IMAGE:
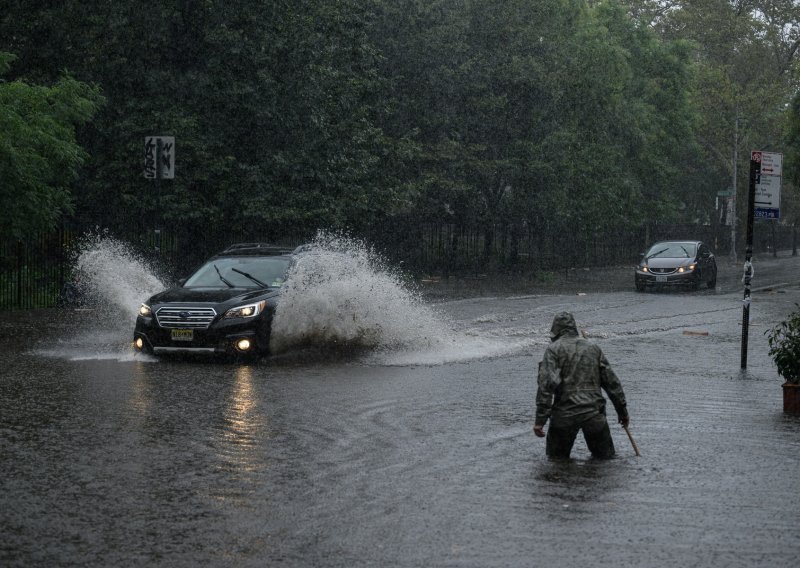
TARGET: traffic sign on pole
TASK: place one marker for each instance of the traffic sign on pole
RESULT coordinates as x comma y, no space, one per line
755,170
159,157
768,185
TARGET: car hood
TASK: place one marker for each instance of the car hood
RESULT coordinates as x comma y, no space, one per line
668,262
212,295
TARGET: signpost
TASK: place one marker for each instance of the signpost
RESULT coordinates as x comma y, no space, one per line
159,163
755,170
764,196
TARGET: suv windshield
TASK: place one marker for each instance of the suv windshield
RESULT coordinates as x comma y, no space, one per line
671,250
241,272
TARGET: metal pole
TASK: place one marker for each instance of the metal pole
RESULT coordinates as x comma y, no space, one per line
159,213
755,171
774,239
733,186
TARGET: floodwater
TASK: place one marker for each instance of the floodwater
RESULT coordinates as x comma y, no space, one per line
409,448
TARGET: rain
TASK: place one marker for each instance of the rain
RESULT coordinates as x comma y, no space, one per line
436,182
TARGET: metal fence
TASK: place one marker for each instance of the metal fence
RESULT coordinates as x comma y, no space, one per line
34,271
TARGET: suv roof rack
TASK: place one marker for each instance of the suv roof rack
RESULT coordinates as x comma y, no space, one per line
256,248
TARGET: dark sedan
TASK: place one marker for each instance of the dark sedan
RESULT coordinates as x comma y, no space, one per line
677,263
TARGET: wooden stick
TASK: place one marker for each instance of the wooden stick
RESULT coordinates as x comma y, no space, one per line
635,447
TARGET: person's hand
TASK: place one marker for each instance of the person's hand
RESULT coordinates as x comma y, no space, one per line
538,429
625,420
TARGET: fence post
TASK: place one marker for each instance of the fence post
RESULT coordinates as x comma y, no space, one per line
774,240
20,295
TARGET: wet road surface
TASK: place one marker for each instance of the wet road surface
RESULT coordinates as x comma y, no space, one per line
331,458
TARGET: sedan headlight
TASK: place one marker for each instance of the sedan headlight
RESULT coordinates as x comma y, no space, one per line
145,311
644,268
248,311
688,268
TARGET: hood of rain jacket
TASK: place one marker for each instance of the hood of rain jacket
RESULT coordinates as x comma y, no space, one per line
563,323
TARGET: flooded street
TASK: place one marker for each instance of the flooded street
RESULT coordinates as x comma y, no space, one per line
421,456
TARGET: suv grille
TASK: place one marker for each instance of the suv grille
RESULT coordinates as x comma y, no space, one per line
186,318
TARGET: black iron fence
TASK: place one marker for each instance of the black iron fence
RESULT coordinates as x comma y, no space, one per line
34,271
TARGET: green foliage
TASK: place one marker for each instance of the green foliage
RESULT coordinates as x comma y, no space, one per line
784,347
744,56
39,155
793,142
296,115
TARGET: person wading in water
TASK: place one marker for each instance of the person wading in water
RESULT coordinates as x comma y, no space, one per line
572,376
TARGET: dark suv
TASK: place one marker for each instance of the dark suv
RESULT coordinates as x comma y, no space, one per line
224,307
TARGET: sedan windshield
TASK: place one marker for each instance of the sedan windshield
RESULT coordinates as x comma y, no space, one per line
241,272
672,250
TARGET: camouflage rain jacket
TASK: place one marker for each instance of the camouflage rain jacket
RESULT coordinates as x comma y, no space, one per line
571,376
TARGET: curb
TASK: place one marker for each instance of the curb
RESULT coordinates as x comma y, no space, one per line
770,287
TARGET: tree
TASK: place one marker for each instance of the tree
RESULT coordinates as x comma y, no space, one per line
39,155
273,106
745,53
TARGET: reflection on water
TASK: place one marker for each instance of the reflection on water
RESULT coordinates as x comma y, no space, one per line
238,439
242,422
209,418
140,396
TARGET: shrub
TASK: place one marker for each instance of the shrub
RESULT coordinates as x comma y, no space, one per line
784,347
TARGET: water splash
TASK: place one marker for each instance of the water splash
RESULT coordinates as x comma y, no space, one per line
112,281
114,278
341,293
340,297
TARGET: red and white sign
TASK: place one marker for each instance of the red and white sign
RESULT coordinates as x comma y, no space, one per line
767,184
771,163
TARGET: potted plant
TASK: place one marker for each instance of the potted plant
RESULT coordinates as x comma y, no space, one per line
784,348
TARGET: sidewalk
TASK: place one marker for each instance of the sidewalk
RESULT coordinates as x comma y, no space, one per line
769,271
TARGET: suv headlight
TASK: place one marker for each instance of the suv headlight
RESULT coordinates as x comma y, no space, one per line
145,311
248,311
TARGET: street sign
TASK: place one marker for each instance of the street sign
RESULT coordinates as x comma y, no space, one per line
768,184
768,191
771,164
165,163
763,201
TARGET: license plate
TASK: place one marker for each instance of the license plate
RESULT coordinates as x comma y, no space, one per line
182,334
661,278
